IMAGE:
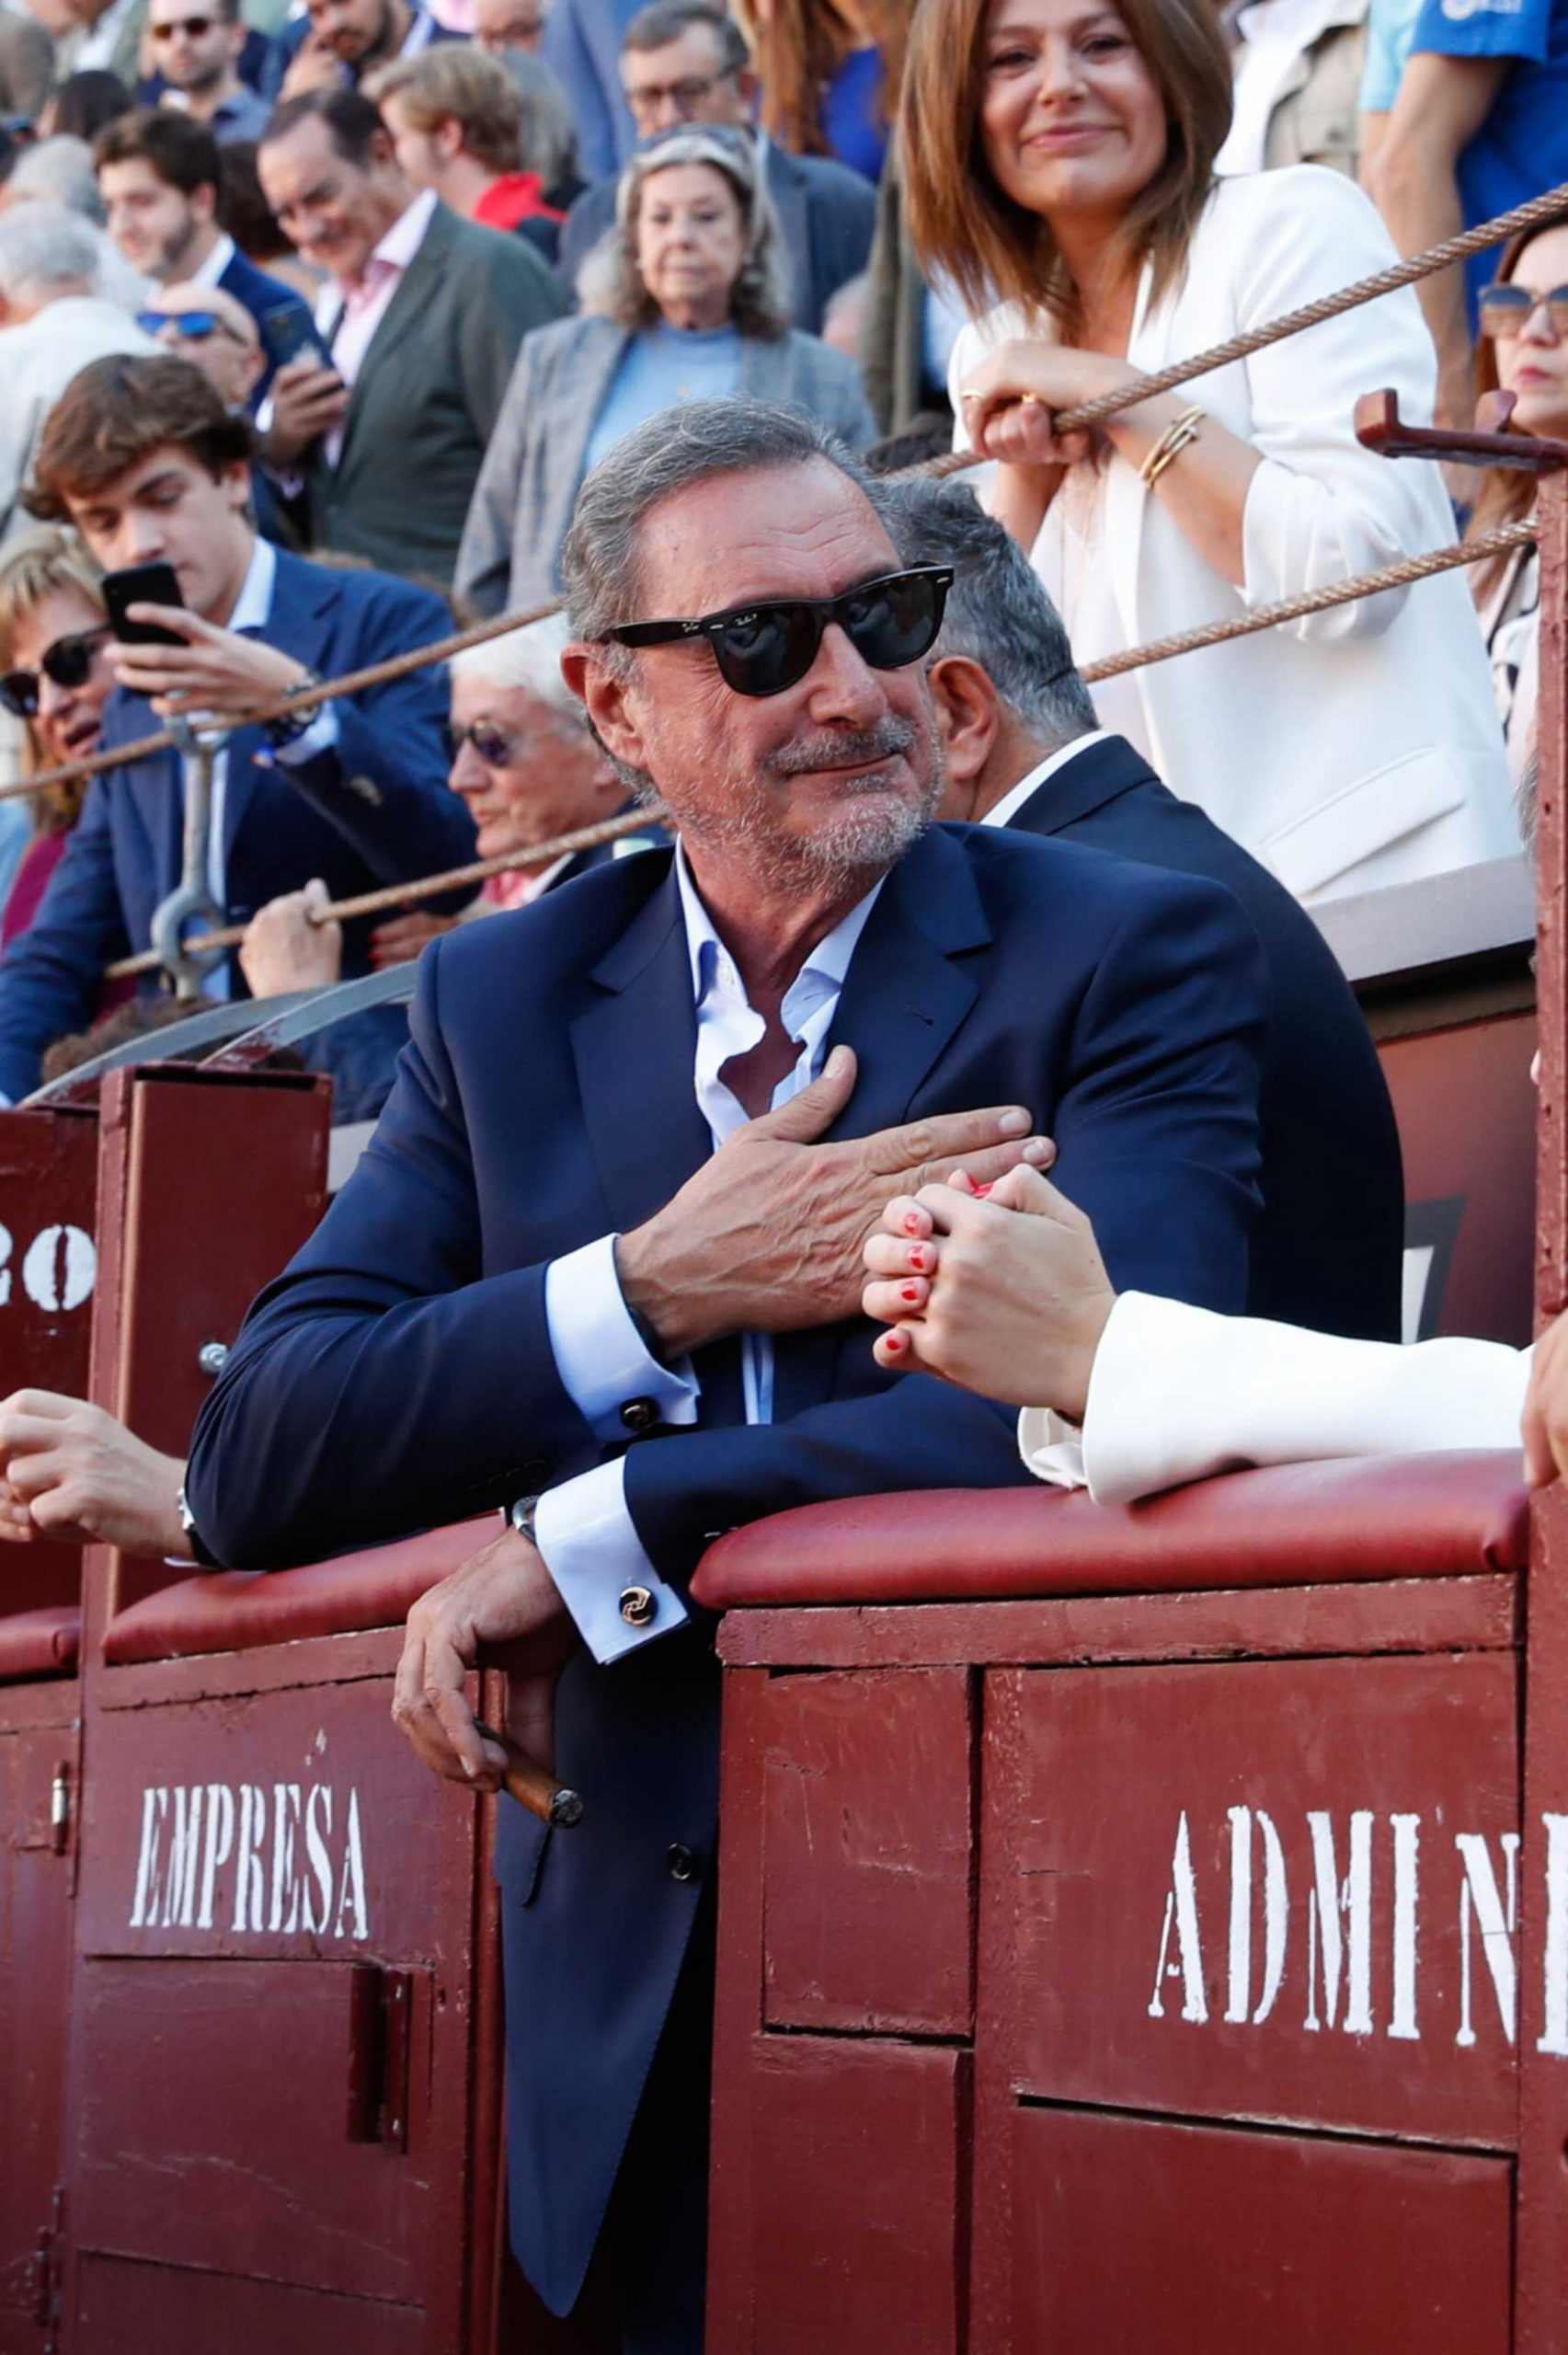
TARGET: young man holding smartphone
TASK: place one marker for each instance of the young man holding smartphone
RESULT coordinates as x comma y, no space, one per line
142,456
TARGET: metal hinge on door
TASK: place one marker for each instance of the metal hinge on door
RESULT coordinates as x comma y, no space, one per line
381,2008
46,2273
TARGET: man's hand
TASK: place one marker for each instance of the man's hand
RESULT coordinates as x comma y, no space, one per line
504,1602
1010,1306
399,940
1545,1428
314,66
74,1473
214,674
283,950
768,1233
307,401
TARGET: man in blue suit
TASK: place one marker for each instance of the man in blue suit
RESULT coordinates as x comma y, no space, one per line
142,457
334,44
644,1227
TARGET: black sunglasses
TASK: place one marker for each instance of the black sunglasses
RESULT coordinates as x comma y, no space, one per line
1505,308
761,650
68,662
196,27
495,747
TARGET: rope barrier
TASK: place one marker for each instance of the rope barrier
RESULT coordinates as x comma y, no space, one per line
1486,233
1501,542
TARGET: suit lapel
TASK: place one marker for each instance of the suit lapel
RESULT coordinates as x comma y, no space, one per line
787,188
1099,774
301,595
410,298
636,1053
906,995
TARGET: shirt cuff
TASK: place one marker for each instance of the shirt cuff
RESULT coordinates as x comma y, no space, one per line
599,1355
1052,1448
321,735
591,1547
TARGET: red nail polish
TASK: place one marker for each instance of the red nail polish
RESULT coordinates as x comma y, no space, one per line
897,1340
909,1292
980,1193
917,1260
911,1222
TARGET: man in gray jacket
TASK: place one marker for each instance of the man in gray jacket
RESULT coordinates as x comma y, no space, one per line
419,323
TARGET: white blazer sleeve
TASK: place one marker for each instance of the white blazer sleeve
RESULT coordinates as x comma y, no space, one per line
1179,1393
1320,508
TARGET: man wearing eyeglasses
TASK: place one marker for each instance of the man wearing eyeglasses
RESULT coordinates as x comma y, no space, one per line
196,47
601,1264
683,62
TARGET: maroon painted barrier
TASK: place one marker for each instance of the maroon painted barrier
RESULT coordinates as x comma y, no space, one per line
1120,1924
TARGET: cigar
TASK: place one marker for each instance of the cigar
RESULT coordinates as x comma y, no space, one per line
532,1785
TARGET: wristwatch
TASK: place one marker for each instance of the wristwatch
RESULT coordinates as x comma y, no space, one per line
522,1515
291,725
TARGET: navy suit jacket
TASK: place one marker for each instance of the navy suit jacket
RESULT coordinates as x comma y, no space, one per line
546,1098
271,304
375,810
1328,1250
826,214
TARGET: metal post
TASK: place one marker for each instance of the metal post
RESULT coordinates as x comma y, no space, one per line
191,901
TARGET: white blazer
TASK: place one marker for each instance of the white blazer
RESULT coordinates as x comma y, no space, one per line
1178,1393
1359,747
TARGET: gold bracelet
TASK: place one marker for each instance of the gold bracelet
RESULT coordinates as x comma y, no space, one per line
1171,444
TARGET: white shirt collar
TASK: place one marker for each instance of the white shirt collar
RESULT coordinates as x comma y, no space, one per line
1014,800
406,234
253,606
829,961
207,273
419,35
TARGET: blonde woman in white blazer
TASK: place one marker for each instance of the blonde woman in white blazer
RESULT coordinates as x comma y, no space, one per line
1353,750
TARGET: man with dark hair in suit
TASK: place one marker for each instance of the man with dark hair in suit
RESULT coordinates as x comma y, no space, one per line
685,61
598,1209
158,176
333,44
422,314
1024,750
142,457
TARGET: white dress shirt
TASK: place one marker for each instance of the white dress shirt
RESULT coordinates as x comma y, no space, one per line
1274,33
208,272
1179,1393
347,317
1013,801
584,1531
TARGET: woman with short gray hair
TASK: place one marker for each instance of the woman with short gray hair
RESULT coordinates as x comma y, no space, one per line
684,299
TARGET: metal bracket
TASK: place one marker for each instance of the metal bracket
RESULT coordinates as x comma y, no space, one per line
191,903
1380,427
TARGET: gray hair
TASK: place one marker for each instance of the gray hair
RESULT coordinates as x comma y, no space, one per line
610,281
998,614
61,171
529,659
694,443
547,134
44,249
666,21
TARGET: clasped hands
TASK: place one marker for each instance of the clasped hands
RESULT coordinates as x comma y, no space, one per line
767,1234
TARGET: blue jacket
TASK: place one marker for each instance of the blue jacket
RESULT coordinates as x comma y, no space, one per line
290,38
272,306
1328,1250
399,1374
582,48
375,810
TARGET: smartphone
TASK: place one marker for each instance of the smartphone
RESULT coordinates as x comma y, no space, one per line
142,584
289,334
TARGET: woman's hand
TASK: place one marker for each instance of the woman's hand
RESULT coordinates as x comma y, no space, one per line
213,675
1010,398
73,1472
1013,1306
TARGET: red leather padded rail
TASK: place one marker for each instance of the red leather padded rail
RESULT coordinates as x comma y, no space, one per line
1298,1524
40,1643
231,1611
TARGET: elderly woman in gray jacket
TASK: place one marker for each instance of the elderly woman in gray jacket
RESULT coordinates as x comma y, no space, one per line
685,298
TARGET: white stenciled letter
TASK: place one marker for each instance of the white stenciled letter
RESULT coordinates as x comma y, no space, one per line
318,1805
351,1892
179,1894
59,1269
1406,1829
1553,2036
285,1861
1496,1922
144,1906
219,1841
1339,1924
1181,1912
1275,1914
251,1884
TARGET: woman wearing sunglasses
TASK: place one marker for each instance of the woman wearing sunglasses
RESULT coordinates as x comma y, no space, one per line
684,299
1058,155
1523,350
56,679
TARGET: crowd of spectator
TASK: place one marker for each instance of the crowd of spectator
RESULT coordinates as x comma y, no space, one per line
435,261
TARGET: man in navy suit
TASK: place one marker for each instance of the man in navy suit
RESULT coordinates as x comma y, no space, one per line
158,174
1024,750
335,44
619,1195
142,457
